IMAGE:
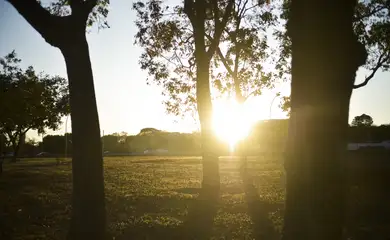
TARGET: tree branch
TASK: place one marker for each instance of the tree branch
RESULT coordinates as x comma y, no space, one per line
82,9
37,16
369,14
189,11
382,59
219,27
222,57
88,6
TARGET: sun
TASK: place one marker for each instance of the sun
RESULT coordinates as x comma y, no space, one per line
232,122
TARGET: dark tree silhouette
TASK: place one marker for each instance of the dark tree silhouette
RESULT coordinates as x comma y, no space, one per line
29,101
371,21
363,120
325,57
63,24
182,31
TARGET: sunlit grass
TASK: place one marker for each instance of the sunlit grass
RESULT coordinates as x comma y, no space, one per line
154,198
147,198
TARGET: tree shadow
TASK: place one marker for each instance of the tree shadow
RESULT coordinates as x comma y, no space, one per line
367,197
258,210
198,223
25,210
200,218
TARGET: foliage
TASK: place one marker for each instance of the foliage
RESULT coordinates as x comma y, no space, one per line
166,35
97,15
285,104
372,26
29,100
266,136
4,143
363,120
245,51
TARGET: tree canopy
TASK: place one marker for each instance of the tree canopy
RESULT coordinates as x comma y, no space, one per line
29,100
238,67
363,120
372,26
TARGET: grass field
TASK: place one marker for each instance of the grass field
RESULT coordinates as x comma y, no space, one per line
157,198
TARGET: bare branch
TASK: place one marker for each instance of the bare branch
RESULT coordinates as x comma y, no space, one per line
382,59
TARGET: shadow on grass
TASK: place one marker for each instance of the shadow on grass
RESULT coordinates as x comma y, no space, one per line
258,210
27,206
368,197
198,223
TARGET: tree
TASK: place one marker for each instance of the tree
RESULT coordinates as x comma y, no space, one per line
3,143
371,22
326,54
183,34
363,120
63,24
29,101
245,51
237,68
285,104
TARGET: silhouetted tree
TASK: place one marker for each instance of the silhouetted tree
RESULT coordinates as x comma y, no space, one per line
182,31
29,148
326,54
244,51
3,143
29,101
371,22
54,144
62,24
363,120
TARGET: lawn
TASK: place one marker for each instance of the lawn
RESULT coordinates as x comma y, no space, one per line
158,198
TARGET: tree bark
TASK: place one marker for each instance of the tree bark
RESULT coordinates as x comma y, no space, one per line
68,34
325,58
211,178
16,151
16,141
88,205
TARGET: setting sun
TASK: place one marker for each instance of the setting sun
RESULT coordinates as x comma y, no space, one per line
232,122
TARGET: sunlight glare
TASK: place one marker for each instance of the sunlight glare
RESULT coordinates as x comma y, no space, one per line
232,121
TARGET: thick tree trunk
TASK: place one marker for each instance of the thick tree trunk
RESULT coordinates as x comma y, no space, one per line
325,57
68,34
88,205
211,178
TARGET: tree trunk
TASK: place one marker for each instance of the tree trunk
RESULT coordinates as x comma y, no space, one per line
211,179
325,57
16,146
88,205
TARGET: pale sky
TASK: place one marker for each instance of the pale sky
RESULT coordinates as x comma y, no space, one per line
125,102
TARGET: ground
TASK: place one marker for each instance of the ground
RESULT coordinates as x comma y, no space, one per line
158,198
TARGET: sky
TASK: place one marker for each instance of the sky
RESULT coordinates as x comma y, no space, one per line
125,102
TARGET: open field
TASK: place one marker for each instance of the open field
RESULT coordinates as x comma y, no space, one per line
157,198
